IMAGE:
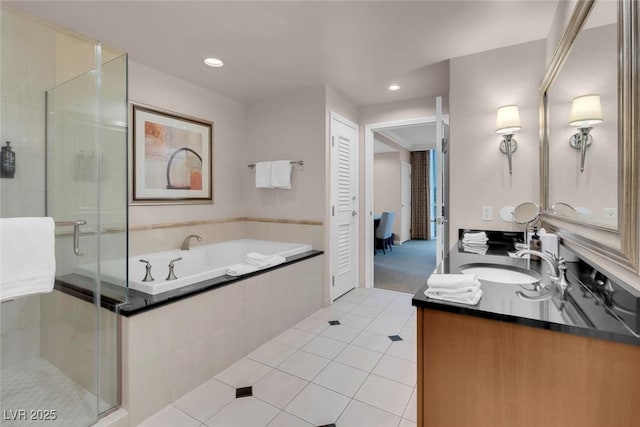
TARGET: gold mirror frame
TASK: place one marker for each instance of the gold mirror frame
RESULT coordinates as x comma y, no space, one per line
616,251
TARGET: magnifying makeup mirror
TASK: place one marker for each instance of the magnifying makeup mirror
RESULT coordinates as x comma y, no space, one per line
526,213
565,210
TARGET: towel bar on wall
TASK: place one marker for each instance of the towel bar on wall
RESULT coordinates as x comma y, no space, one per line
297,162
76,233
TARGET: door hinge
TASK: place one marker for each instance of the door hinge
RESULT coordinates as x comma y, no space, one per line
333,280
333,141
333,210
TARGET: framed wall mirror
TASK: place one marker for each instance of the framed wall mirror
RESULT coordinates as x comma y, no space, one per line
589,136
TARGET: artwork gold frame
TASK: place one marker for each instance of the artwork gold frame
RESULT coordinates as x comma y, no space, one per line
172,157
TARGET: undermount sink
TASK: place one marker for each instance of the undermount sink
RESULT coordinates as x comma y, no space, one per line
501,273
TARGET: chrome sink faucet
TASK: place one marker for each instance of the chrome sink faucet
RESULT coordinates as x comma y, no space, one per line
187,240
557,268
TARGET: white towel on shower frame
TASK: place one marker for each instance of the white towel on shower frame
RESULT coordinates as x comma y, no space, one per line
27,256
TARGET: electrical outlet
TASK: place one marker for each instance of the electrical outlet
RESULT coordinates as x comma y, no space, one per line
610,213
487,213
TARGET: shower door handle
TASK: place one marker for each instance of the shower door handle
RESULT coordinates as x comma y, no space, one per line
76,233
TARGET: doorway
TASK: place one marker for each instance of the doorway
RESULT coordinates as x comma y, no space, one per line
406,265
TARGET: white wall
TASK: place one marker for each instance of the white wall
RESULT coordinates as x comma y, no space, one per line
479,173
290,126
157,89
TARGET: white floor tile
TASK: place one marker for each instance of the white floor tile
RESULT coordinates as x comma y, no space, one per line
360,414
341,378
170,416
359,358
206,400
406,423
325,347
341,333
244,412
272,353
407,350
376,302
363,291
366,311
304,365
287,420
411,413
294,338
372,341
329,313
409,332
384,394
343,305
279,388
384,327
243,373
396,369
393,317
318,405
355,320
312,325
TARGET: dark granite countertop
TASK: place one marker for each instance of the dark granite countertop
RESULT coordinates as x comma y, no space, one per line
587,310
113,297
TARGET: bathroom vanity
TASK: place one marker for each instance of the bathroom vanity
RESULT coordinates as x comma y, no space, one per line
511,361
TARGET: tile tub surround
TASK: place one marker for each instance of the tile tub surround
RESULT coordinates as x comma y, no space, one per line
173,348
305,377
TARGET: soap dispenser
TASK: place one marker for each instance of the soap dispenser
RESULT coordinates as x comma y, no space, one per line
535,244
7,162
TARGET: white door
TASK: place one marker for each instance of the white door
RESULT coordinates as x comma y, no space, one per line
442,183
406,202
344,206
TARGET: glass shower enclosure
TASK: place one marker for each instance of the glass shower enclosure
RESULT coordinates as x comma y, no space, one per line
60,350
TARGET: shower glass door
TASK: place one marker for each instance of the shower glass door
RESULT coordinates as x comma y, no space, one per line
86,194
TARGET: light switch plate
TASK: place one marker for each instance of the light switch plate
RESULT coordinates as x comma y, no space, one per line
487,213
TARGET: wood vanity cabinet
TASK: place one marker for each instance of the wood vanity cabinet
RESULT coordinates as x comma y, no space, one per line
478,372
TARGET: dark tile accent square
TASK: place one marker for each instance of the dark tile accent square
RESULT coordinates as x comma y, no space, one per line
244,392
333,323
395,337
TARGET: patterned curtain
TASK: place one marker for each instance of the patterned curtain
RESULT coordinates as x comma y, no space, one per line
420,195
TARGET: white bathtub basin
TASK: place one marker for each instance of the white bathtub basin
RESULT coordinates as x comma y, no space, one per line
501,273
200,263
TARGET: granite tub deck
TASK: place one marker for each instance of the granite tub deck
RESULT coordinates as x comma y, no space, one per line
515,362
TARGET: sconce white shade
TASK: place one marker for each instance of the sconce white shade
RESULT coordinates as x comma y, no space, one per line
585,111
508,119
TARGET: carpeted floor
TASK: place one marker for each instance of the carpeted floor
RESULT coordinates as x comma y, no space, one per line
406,268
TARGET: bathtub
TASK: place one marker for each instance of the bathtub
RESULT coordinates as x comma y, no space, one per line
199,263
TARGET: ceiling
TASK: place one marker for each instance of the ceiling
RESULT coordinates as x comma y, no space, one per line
413,138
269,47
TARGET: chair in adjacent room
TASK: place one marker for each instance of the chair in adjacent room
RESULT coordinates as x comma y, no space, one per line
384,232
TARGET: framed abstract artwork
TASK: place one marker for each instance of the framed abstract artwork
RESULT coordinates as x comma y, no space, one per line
172,157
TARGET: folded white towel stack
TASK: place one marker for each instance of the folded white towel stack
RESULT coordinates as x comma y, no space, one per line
475,239
254,262
459,288
475,249
27,256
281,174
263,175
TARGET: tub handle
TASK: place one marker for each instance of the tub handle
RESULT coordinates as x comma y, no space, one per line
147,275
172,275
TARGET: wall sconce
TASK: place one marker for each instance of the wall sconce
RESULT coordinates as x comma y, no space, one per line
508,123
585,112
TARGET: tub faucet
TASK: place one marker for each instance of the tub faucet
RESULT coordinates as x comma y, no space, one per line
185,242
558,269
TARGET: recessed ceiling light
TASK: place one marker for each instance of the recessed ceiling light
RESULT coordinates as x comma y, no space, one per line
213,62
394,87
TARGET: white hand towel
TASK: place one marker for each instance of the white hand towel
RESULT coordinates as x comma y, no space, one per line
27,256
263,260
470,298
246,268
453,281
475,249
454,291
281,174
479,235
263,175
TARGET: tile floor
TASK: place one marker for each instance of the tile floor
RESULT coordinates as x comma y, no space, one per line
347,374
